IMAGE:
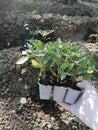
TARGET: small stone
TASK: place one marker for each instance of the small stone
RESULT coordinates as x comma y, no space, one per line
8,128
20,79
43,125
49,126
24,71
52,119
6,90
66,122
42,21
23,100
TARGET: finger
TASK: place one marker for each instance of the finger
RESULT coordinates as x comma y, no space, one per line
84,84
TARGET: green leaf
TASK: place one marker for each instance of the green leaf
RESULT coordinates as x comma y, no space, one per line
36,64
34,12
63,74
80,71
36,43
71,66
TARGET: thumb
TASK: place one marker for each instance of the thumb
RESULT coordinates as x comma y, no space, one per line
85,85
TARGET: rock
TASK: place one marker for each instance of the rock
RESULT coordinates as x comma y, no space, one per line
24,71
43,124
20,79
23,100
52,119
49,126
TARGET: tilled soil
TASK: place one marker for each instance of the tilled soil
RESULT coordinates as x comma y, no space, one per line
36,113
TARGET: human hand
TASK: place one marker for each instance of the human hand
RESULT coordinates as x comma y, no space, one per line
87,105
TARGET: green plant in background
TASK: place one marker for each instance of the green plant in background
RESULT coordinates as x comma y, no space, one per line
94,35
43,35
96,29
81,11
68,1
34,12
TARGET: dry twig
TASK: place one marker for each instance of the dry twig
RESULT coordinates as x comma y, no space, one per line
19,120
